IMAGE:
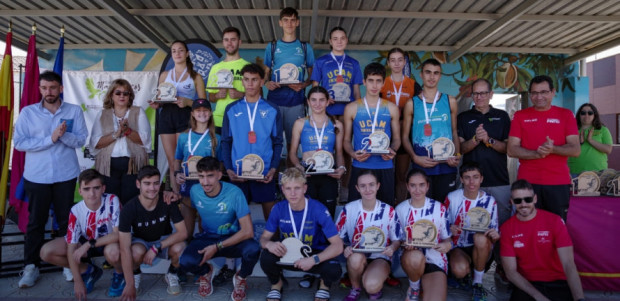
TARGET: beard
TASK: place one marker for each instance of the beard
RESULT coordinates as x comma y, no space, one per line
51,98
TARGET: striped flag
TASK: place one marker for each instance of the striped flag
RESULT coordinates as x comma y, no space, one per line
6,121
30,95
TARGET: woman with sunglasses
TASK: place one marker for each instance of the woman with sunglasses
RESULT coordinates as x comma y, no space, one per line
120,140
595,141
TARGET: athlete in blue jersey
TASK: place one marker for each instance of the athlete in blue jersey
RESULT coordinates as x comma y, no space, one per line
200,140
363,118
309,221
226,230
319,131
288,50
339,73
253,126
429,116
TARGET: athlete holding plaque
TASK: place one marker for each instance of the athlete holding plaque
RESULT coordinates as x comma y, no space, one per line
252,141
368,127
429,118
472,214
373,230
427,264
173,117
200,141
306,220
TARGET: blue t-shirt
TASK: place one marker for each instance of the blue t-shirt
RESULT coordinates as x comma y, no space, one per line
308,138
325,72
203,150
267,128
441,124
318,228
220,214
362,128
288,52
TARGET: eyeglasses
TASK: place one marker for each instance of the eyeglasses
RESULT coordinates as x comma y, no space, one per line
584,113
480,94
119,93
541,93
528,199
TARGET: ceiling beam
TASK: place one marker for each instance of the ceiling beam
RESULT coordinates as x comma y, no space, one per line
492,29
19,44
132,22
315,12
592,51
326,13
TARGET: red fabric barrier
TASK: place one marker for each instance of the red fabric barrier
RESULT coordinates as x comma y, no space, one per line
593,224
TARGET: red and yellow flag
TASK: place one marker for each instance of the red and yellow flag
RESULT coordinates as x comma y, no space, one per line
6,121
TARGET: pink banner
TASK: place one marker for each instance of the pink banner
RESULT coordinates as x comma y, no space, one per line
593,223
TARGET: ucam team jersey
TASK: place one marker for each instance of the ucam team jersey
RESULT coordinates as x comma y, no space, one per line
353,219
89,224
435,212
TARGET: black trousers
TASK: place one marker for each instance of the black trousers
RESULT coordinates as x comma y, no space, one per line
119,182
40,197
553,198
554,290
441,185
329,271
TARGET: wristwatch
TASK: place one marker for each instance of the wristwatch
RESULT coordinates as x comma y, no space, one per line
316,259
491,141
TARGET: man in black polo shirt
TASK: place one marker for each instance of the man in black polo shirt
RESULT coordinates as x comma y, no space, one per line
483,133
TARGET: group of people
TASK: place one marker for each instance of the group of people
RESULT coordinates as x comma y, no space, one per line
125,217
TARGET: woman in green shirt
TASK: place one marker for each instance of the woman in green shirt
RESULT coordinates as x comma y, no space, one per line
595,141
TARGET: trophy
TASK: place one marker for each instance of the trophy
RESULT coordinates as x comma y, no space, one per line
224,79
378,143
295,250
189,168
441,149
422,234
371,240
614,186
251,166
287,74
477,220
341,92
321,162
586,184
165,92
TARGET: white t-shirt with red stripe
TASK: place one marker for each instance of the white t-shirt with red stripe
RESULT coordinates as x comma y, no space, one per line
89,224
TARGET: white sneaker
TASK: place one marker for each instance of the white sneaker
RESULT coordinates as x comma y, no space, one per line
29,276
136,281
173,284
67,273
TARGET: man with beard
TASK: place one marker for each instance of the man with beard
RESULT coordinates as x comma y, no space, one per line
231,39
48,132
537,252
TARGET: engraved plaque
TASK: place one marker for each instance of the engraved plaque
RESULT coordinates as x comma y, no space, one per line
251,166
341,92
321,162
441,149
166,92
377,143
422,234
371,240
477,220
587,184
224,79
295,250
287,74
189,168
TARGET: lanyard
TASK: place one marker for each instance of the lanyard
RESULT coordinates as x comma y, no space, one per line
174,79
189,141
427,116
374,122
251,116
319,137
340,64
303,221
400,90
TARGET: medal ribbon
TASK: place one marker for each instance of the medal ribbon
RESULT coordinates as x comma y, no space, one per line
303,221
319,138
374,122
400,90
340,64
251,116
174,78
427,116
189,142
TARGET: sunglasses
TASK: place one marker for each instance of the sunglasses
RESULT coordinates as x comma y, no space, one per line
583,113
528,199
119,93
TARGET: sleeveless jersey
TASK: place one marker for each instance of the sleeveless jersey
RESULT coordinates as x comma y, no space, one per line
185,88
308,139
362,128
441,123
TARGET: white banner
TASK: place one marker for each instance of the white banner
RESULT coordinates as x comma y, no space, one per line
88,89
